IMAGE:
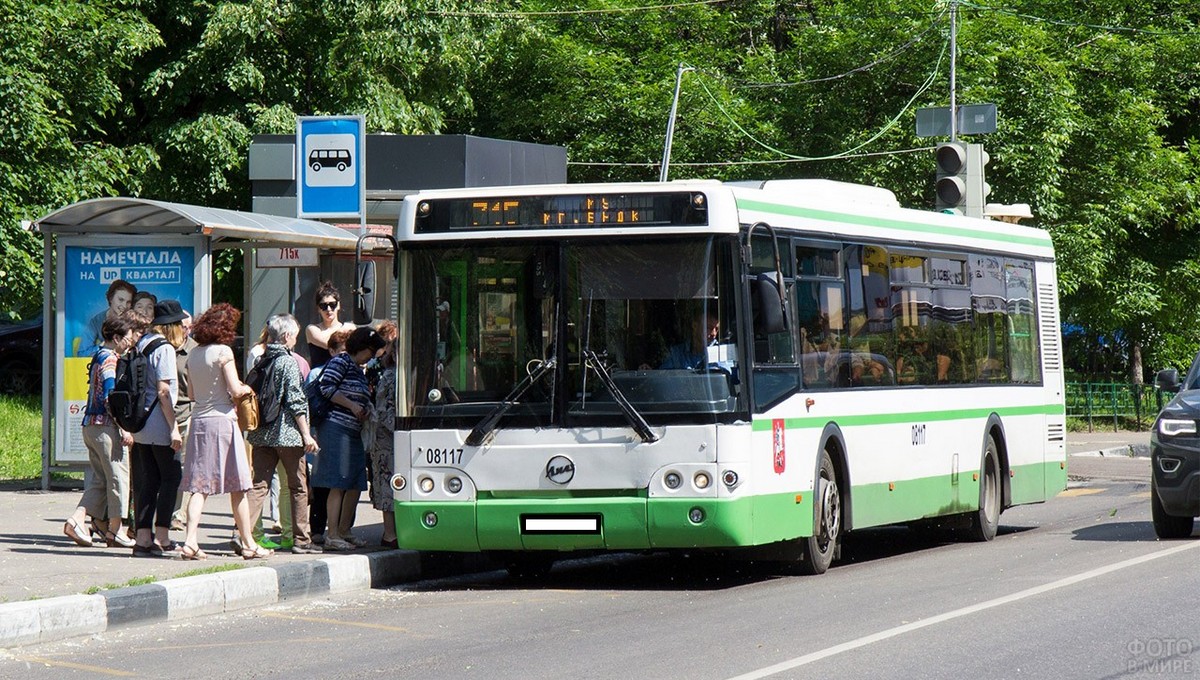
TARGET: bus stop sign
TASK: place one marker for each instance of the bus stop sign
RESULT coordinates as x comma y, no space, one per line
331,166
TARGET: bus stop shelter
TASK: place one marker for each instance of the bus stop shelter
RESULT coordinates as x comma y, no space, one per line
162,248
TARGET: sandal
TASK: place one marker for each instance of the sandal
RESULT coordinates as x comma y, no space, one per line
118,540
75,531
187,552
168,550
145,551
256,553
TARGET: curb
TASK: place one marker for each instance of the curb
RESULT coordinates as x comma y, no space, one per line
57,618
1126,451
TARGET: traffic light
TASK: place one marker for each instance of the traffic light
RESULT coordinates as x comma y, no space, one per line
951,186
960,178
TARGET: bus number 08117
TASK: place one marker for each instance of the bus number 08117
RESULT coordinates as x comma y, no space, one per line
436,456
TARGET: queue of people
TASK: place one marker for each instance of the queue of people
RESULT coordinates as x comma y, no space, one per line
147,483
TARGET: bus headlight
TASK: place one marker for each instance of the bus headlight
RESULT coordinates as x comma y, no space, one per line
696,515
672,480
701,480
453,484
399,482
425,484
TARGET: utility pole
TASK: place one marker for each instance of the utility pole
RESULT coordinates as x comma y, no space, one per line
662,174
953,65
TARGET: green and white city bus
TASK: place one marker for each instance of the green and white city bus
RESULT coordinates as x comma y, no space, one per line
694,365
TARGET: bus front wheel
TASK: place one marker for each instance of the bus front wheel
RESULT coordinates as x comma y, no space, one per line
820,549
986,520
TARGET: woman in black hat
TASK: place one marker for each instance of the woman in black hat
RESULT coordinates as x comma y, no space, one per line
155,467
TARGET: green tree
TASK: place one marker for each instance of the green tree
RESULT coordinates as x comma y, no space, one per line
61,73
230,70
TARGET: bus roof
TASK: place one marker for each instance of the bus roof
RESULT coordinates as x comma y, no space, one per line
823,209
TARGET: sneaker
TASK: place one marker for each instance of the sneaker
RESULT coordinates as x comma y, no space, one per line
306,549
337,544
318,538
355,540
268,544
287,544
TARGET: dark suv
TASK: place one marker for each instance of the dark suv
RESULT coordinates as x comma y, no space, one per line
21,356
1175,455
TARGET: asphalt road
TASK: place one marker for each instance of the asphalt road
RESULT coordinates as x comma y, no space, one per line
1076,588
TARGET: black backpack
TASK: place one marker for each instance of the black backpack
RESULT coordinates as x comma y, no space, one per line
125,400
261,378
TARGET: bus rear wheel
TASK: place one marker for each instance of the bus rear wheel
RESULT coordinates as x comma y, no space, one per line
820,549
986,520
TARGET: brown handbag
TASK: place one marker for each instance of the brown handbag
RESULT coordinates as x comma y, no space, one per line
247,411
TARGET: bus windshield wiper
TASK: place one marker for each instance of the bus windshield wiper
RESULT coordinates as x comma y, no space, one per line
484,429
589,359
636,421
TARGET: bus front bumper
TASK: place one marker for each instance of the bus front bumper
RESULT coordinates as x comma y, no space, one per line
620,523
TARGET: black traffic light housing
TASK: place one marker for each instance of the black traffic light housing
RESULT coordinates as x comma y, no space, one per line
951,185
960,183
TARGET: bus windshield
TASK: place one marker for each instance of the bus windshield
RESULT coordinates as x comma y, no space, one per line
647,322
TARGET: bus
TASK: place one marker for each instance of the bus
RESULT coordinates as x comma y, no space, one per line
699,365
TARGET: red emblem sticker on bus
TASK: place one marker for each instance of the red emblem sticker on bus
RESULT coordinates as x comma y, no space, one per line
779,456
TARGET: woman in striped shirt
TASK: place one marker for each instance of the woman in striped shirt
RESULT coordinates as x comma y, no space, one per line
342,464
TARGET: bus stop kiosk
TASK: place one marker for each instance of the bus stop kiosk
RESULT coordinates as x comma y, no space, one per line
163,248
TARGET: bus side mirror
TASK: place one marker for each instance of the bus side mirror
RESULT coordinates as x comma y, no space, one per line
769,314
1167,380
364,294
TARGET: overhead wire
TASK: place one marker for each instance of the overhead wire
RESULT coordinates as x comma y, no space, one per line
769,161
858,69
1076,24
574,12
888,126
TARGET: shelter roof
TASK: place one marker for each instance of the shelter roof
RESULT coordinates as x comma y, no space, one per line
143,216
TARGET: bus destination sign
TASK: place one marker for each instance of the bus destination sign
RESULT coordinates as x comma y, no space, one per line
679,208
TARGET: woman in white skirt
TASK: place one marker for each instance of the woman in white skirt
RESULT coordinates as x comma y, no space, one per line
216,462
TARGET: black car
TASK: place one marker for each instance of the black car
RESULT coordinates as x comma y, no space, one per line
21,357
1175,455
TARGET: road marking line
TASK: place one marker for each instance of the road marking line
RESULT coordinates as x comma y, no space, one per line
958,613
1140,494
315,619
1079,491
76,666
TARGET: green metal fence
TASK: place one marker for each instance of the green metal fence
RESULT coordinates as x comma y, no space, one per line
1104,404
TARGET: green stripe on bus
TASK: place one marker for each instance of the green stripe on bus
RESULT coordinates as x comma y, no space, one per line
894,418
940,230
905,500
639,523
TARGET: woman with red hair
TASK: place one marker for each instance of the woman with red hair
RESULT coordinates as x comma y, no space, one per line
216,461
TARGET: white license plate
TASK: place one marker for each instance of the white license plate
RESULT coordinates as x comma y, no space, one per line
560,525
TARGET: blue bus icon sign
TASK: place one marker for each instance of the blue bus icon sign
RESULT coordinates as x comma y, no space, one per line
331,172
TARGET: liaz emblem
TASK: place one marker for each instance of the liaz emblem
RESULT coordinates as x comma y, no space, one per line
560,469
779,456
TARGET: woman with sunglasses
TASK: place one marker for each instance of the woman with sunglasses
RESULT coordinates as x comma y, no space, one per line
329,303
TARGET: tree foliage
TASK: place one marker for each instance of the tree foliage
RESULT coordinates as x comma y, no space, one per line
1097,106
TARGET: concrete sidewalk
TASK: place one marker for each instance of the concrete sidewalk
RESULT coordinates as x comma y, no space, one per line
45,578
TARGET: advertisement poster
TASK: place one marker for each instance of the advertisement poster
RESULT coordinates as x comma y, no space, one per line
96,281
